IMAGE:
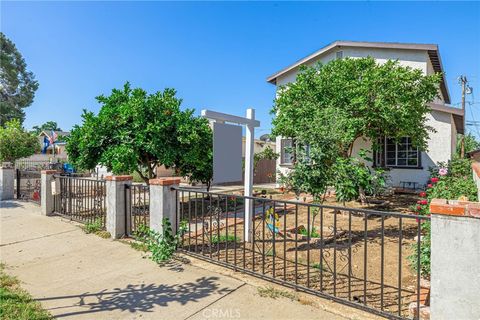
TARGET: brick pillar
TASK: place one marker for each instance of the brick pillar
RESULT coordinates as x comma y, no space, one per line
7,179
46,197
116,214
163,202
455,259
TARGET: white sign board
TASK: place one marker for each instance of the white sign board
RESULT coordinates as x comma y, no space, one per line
227,153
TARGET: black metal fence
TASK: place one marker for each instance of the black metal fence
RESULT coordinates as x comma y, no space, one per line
80,199
137,207
37,165
358,257
28,185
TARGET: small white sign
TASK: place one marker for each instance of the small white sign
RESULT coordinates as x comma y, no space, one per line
54,187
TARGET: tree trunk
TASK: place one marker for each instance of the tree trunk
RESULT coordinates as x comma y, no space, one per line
362,196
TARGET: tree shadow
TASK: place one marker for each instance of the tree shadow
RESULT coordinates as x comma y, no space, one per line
141,297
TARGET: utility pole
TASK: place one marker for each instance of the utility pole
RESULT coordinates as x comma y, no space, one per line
463,81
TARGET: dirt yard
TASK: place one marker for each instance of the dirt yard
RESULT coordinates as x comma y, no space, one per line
343,260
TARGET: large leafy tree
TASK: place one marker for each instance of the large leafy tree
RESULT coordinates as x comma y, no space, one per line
16,143
330,106
47,126
17,84
136,132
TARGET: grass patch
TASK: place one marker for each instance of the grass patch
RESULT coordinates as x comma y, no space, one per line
223,238
317,266
93,227
16,303
271,292
139,246
96,228
313,234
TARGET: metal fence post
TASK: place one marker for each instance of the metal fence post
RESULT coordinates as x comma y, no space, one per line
116,209
7,178
163,202
46,196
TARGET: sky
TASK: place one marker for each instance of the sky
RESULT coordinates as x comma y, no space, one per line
217,55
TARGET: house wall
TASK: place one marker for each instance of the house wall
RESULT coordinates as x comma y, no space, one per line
441,144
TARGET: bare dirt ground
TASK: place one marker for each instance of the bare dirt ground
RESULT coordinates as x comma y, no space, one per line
344,260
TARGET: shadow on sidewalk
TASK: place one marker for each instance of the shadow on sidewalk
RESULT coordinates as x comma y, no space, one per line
140,297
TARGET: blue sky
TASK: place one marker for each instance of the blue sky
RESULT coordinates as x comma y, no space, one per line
216,54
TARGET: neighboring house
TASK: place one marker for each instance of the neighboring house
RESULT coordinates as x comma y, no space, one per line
264,170
407,169
58,148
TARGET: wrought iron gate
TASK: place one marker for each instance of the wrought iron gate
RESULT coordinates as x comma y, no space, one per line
28,185
137,207
80,199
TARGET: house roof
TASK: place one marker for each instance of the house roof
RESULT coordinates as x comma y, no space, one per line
432,50
59,133
456,113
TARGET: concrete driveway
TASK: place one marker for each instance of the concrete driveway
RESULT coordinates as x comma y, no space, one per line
80,276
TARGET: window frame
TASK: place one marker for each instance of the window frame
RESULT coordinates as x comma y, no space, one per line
381,157
283,142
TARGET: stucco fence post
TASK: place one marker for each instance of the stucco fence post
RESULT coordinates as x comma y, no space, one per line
116,206
455,260
7,180
163,202
47,202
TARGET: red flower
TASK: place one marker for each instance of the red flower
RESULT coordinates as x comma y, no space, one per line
417,219
434,180
419,208
429,185
422,194
423,201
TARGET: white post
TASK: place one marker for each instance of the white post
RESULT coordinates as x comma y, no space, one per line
116,211
47,200
7,178
163,203
250,134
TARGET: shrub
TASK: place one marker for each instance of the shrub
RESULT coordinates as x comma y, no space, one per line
93,227
448,181
162,246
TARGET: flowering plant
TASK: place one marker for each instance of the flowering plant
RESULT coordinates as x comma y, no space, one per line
443,172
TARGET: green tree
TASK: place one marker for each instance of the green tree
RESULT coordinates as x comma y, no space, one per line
16,143
136,132
17,85
47,126
330,106
471,143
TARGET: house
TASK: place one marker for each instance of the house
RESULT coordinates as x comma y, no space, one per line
265,168
58,148
406,169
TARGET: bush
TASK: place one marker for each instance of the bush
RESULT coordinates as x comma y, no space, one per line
448,181
162,246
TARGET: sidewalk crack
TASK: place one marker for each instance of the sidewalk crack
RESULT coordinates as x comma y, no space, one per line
215,301
45,236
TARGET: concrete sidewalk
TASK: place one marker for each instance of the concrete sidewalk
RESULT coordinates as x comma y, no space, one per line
80,276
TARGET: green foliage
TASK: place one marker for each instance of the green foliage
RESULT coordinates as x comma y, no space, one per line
162,246
16,143
470,142
223,239
18,85
16,303
265,154
47,126
330,106
93,227
456,183
136,132
313,233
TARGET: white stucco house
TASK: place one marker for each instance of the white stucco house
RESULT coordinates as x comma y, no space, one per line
408,166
